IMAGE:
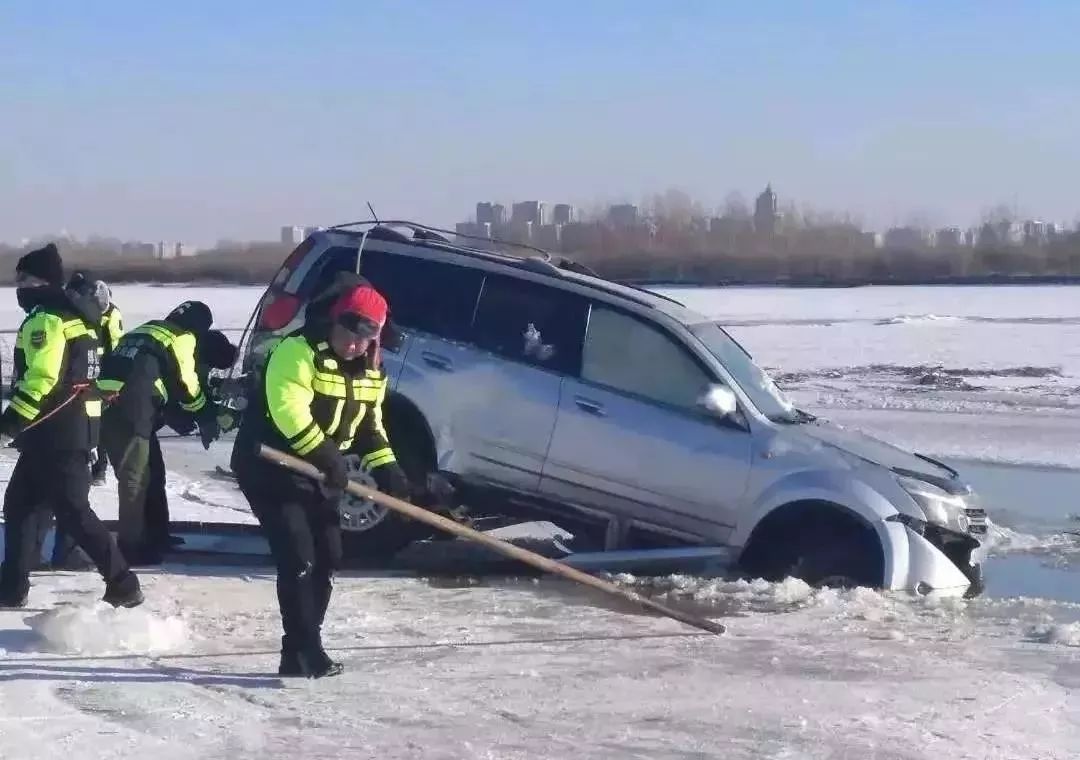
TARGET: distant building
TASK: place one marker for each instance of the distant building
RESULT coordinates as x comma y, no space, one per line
493,214
164,250
948,237
292,235
531,212
1039,232
183,250
562,213
473,229
905,238
309,231
765,211
547,236
623,215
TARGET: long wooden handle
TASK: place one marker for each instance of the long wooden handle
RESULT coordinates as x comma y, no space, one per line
502,547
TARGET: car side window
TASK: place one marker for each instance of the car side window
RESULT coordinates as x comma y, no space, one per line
632,356
430,296
532,323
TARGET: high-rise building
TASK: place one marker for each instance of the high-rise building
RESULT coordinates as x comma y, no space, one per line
528,212
562,213
309,231
765,211
490,213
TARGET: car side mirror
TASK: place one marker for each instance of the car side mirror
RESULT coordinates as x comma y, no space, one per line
719,401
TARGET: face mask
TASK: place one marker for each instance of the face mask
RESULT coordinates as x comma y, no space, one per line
28,298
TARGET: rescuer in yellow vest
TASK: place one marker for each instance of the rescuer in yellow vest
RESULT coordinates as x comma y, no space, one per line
320,397
54,418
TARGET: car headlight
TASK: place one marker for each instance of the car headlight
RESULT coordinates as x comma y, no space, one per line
940,507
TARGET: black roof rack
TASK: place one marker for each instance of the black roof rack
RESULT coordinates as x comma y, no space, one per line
543,263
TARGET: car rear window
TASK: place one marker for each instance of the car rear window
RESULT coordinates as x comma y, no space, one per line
430,296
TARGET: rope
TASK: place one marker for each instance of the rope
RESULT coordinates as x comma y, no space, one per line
585,638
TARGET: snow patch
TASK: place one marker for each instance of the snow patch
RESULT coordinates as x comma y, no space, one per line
1056,633
102,629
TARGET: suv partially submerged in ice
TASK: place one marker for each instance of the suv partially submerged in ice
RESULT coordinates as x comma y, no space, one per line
546,392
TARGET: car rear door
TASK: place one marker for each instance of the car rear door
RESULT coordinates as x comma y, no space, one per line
630,438
528,336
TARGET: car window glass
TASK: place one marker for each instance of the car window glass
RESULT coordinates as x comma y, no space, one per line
532,323
629,355
333,260
430,296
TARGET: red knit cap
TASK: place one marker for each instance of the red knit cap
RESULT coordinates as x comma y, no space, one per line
363,301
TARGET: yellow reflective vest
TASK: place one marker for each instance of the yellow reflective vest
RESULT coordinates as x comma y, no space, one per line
56,361
312,397
152,365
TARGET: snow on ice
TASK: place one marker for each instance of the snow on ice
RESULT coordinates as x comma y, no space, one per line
525,668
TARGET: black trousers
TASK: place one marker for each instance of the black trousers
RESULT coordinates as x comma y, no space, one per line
140,478
304,533
58,481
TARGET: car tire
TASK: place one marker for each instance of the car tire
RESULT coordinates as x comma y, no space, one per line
391,532
837,556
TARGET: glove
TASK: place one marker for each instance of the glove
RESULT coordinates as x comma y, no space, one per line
180,421
209,430
9,425
335,474
391,480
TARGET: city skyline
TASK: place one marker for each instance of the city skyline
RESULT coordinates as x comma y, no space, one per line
209,121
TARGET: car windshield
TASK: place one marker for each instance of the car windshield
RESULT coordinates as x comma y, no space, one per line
750,377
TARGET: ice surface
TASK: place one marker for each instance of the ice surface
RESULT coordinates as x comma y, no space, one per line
525,668
522,669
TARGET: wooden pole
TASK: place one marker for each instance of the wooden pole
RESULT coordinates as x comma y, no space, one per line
538,561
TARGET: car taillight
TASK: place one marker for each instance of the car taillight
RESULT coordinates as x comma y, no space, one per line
279,310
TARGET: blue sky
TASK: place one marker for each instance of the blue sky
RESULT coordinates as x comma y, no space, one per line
202,120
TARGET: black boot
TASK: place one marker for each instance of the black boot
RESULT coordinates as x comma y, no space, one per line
317,664
125,591
14,592
14,597
290,659
306,662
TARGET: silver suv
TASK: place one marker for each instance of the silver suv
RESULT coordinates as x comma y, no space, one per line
545,392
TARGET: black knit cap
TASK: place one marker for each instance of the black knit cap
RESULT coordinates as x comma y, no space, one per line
216,351
44,263
192,315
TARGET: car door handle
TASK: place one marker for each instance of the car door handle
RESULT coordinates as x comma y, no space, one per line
590,406
437,361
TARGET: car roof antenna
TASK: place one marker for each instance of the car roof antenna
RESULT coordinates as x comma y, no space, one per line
363,238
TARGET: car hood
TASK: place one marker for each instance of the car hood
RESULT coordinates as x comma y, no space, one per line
867,447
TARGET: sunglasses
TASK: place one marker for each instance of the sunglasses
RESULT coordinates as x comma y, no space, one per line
361,327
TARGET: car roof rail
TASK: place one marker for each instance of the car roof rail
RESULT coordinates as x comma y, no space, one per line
540,261
426,232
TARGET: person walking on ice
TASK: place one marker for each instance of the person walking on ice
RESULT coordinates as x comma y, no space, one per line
54,418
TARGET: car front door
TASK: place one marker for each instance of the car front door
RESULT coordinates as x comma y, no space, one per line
631,440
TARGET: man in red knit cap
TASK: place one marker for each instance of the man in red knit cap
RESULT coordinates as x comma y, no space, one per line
319,398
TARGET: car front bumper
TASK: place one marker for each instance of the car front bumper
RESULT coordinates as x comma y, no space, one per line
932,563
